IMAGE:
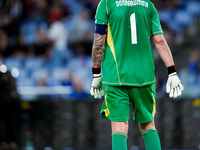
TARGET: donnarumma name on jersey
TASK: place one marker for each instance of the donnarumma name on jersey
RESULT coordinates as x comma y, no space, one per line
132,3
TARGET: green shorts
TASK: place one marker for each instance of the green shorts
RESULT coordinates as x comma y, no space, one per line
116,105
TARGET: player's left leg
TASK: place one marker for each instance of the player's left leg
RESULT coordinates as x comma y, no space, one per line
119,135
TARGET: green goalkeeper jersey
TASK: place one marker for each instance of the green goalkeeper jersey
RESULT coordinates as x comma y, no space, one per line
128,57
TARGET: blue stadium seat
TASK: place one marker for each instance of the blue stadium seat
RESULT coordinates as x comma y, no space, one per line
165,15
52,81
28,29
182,18
81,68
175,28
59,73
41,24
26,81
74,5
193,8
60,58
23,73
39,74
12,62
176,20
34,63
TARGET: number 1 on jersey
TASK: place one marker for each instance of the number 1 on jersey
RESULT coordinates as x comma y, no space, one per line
133,29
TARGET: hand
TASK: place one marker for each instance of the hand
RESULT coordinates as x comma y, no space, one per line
174,85
96,89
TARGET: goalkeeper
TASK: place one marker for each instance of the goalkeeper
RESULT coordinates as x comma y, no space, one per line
122,45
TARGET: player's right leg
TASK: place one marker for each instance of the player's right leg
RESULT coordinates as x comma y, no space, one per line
151,138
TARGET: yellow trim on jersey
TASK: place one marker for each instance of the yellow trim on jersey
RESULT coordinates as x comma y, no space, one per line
111,45
154,107
110,42
156,25
157,32
154,102
106,102
131,84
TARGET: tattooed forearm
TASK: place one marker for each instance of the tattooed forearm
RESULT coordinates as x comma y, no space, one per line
98,49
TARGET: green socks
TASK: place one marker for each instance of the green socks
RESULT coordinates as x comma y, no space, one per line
119,141
151,139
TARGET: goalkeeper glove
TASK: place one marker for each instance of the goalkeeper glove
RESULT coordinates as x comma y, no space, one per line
174,86
96,88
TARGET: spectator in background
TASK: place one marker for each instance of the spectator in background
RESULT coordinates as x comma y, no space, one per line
82,62
190,75
43,45
41,11
193,67
9,110
172,4
193,61
77,90
42,8
16,9
21,48
82,31
8,24
30,7
5,47
58,33
64,8
160,87
76,82
91,5
165,4
81,26
57,30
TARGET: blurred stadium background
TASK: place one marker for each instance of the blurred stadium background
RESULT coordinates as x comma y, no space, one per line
45,75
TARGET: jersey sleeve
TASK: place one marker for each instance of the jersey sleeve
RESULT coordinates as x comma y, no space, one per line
155,22
101,13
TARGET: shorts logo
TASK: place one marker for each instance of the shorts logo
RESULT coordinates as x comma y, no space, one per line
132,3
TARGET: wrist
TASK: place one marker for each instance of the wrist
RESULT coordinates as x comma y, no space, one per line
96,70
171,69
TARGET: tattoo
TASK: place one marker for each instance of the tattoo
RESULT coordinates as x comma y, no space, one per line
98,49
